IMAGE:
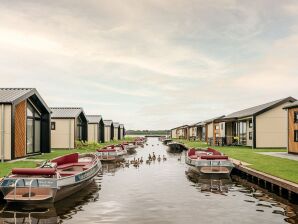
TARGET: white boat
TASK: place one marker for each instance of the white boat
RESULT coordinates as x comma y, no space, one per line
52,181
209,161
111,153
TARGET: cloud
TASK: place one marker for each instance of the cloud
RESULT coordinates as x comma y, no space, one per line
162,62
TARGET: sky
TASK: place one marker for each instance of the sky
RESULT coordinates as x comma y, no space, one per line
151,64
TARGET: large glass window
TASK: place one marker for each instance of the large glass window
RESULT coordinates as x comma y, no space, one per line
243,132
33,129
30,131
295,135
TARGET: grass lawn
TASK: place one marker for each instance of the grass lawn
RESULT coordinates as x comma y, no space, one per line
279,167
6,167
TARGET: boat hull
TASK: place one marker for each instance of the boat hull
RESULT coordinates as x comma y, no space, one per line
211,166
32,190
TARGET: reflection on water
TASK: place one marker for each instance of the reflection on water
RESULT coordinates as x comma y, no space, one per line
159,192
52,213
214,183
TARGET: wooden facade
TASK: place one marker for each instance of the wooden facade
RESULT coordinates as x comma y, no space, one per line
20,130
18,142
292,128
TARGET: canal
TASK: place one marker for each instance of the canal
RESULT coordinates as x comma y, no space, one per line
158,193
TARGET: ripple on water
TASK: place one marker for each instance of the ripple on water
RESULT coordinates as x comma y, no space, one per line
162,193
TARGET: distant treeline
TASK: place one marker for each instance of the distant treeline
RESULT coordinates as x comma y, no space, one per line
147,132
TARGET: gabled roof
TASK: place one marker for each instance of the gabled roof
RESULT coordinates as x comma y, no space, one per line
260,108
121,125
66,112
116,124
213,119
291,105
94,119
107,122
16,95
182,126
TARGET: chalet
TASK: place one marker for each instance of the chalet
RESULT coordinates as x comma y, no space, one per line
116,130
262,126
68,125
193,131
108,130
292,127
24,123
95,128
214,129
173,133
181,132
121,131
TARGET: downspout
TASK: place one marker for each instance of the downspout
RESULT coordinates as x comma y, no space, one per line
2,133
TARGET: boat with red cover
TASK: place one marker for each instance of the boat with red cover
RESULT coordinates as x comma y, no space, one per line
140,141
111,153
52,181
209,161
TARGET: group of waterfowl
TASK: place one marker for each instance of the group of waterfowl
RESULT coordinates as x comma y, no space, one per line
137,162
153,158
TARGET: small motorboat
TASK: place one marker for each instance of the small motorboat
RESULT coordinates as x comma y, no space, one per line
130,147
111,153
52,181
209,161
140,141
166,141
176,147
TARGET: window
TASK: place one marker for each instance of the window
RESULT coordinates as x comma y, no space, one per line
33,134
296,117
221,126
53,125
296,136
217,127
250,123
250,135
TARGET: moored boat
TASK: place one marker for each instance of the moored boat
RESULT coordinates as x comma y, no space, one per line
130,147
52,181
140,141
176,147
209,161
111,153
166,141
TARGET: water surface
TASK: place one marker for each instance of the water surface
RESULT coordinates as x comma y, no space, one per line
160,193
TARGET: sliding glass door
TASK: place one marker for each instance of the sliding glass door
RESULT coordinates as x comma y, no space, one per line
33,129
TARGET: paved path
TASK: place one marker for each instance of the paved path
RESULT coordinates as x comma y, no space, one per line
284,155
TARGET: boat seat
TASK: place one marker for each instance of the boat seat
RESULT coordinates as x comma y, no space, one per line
191,152
215,157
68,165
34,171
68,173
194,156
71,158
